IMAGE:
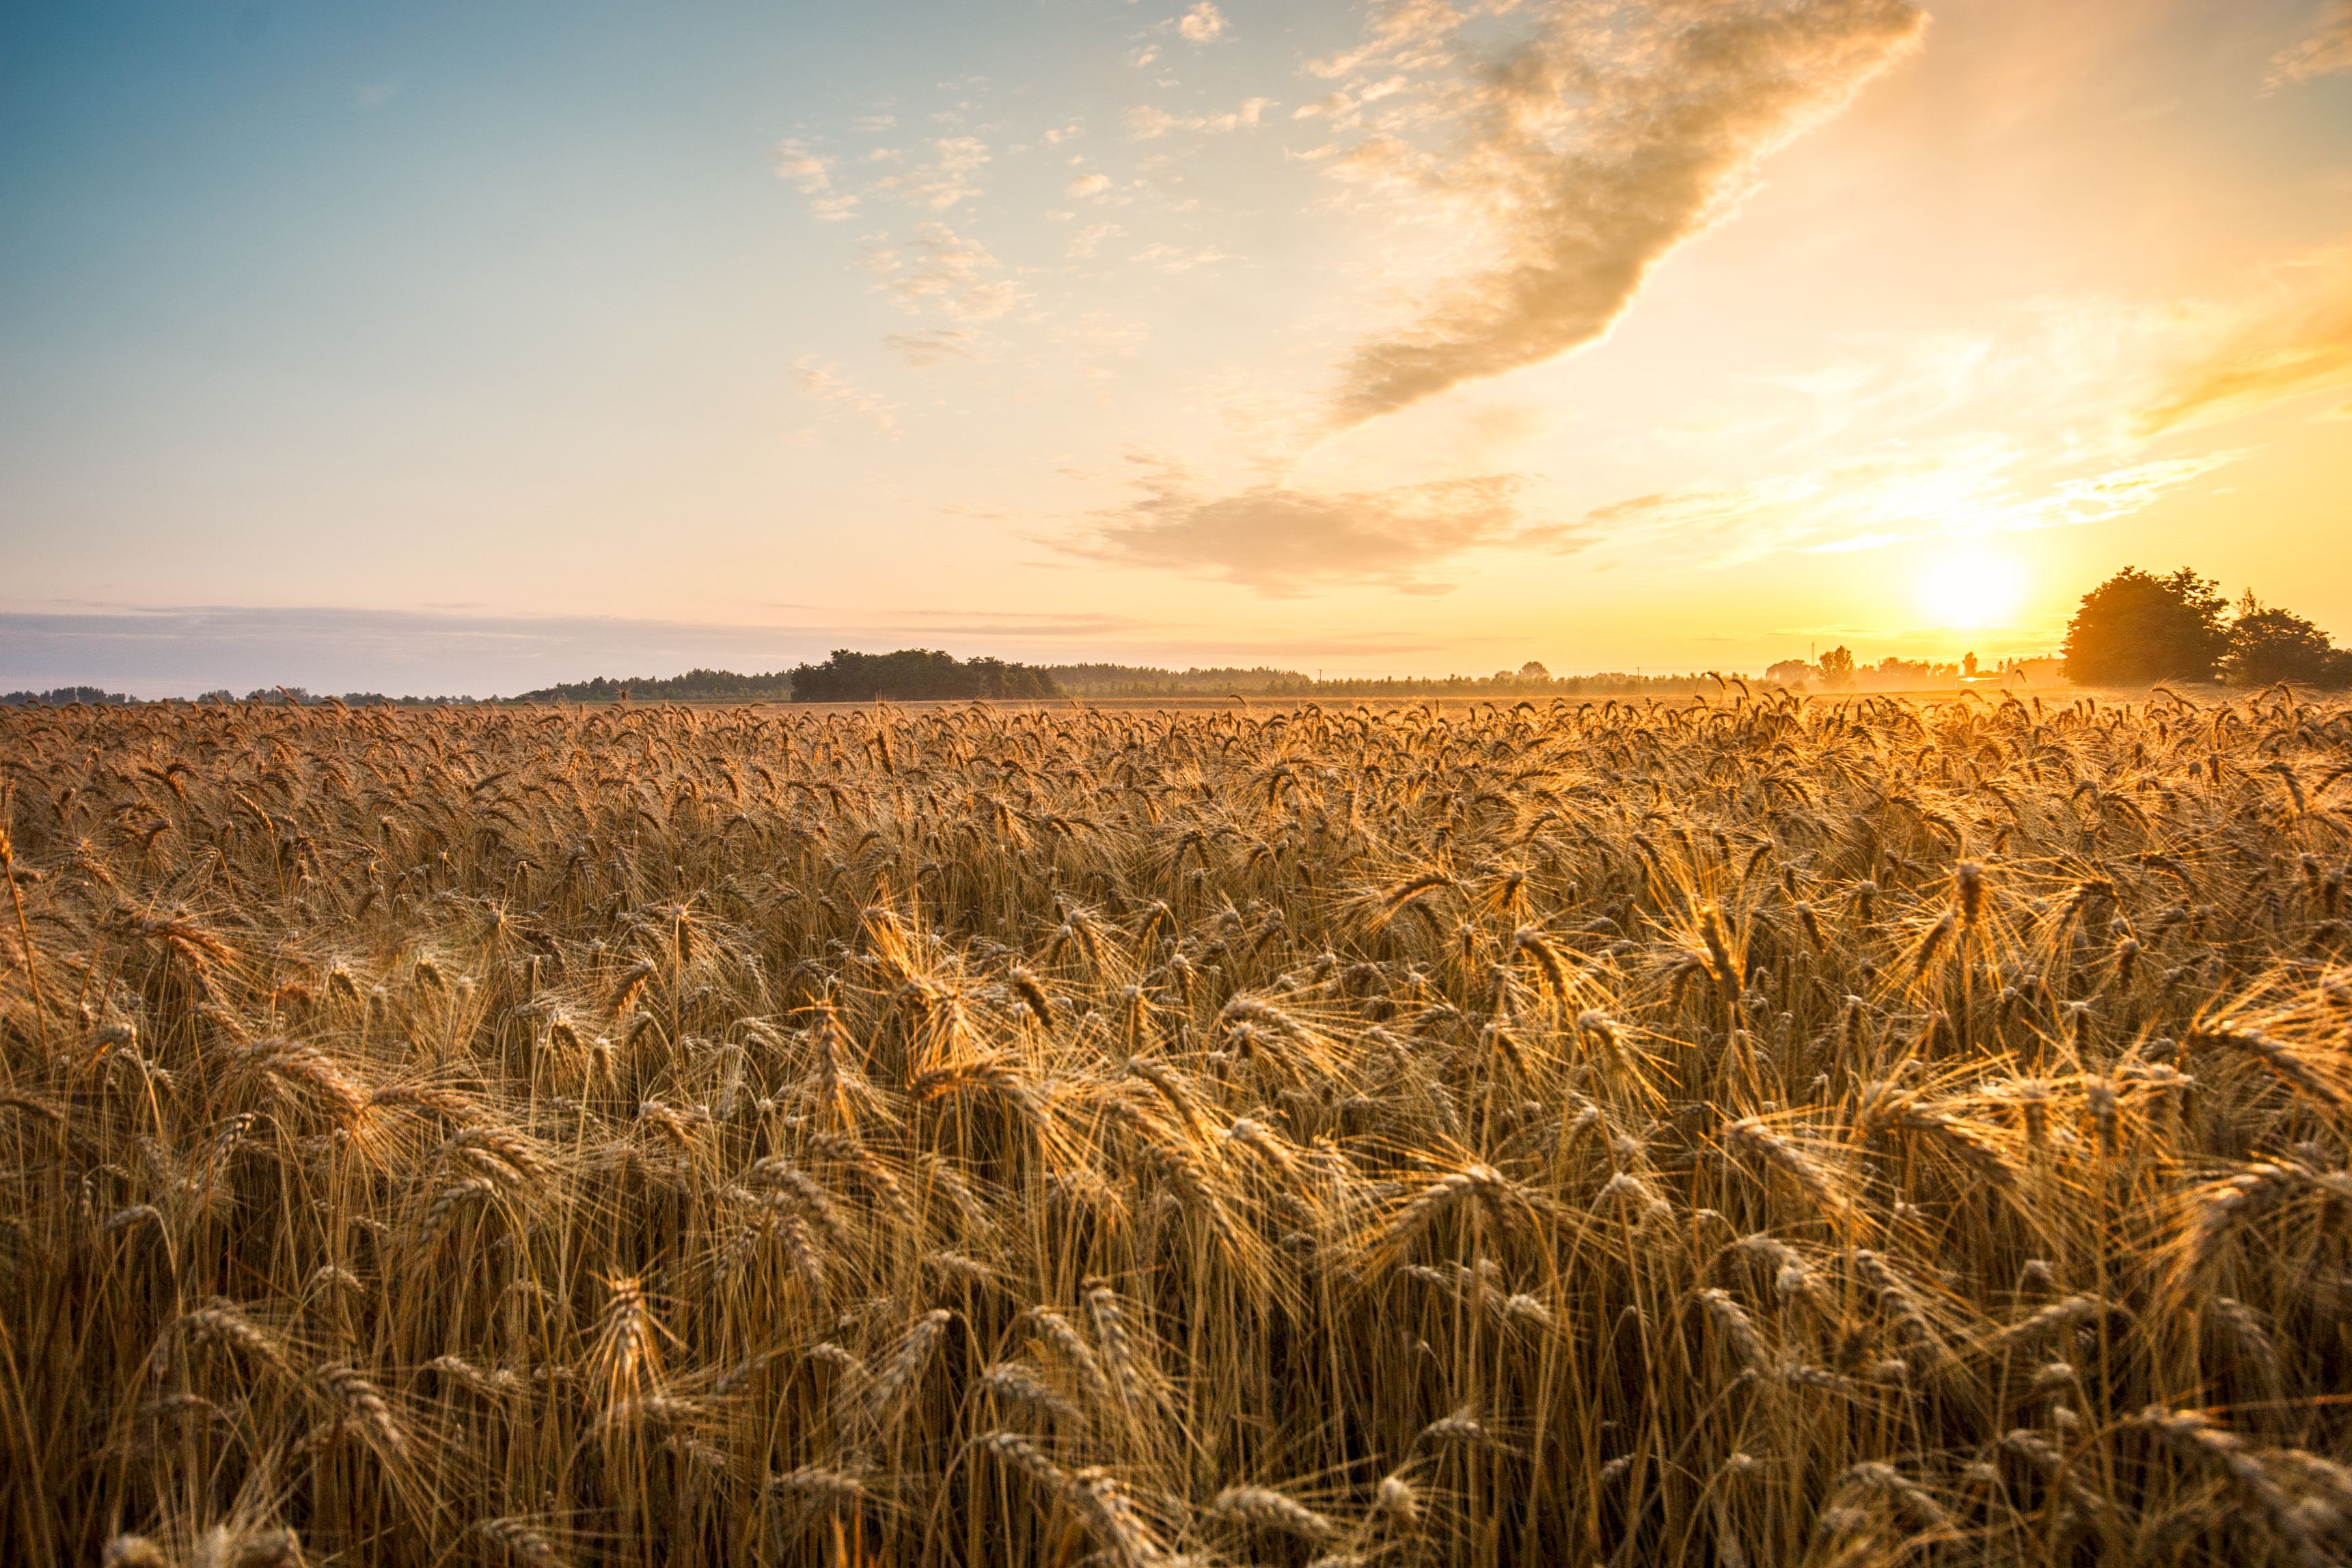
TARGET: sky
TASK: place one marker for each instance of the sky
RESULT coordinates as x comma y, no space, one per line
445,347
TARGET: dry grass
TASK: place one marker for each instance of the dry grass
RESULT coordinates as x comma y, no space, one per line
1756,1133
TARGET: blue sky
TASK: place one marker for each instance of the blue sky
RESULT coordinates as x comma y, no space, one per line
536,341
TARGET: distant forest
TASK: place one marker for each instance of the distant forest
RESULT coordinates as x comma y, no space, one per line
910,674
695,685
63,697
916,675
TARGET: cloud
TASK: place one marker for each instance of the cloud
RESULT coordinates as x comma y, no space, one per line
1088,240
932,346
1587,154
1862,504
1411,33
2295,341
950,177
811,174
2327,52
941,269
1285,542
1172,258
1146,123
1202,24
1088,185
820,381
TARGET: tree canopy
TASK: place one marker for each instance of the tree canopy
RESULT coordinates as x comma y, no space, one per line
915,675
2137,627
2268,644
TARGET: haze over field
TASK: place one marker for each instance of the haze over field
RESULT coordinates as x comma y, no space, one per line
444,347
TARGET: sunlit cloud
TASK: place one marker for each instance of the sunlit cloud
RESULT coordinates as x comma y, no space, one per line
1202,24
1284,542
2292,342
939,269
2325,52
811,174
1972,490
1590,150
1146,123
951,175
823,382
932,346
1085,186
1088,240
1175,258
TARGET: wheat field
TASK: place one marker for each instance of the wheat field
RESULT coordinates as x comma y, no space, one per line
1749,1132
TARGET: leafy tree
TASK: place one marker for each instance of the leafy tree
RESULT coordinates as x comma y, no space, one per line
1837,668
2136,627
2274,645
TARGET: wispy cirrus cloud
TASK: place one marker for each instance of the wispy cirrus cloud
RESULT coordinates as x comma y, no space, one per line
823,382
937,269
2293,340
951,175
1283,541
811,174
2327,52
932,346
1146,123
1605,138
1972,488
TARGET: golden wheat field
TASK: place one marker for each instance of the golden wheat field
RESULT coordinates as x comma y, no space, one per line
1749,1133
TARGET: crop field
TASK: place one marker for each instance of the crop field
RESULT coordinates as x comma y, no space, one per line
1749,1132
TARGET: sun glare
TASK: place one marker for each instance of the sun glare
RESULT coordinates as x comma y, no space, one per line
1971,587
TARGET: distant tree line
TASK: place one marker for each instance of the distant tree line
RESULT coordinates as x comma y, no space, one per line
1149,681
695,685
302,696
63,697
299,696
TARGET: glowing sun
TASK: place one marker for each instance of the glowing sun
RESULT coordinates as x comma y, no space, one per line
1971,586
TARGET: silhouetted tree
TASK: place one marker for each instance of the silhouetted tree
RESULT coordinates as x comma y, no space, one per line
2136,627
1837,668
2274,645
